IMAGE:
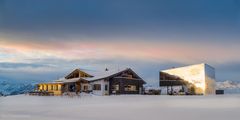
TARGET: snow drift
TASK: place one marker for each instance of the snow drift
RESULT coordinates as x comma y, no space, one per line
123,107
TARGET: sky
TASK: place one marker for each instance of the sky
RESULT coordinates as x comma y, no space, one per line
44,40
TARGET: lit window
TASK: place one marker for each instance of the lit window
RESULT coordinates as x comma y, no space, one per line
115,87
130,88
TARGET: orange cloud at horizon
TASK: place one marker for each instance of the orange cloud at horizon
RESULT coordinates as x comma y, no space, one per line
141,50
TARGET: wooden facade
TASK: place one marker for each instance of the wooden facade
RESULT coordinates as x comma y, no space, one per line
126,86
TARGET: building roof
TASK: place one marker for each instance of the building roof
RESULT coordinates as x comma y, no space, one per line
203,64
172,82
99,75
54,82
63,80
96,75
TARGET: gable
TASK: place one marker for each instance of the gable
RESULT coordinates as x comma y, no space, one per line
77,74
95,76
127,73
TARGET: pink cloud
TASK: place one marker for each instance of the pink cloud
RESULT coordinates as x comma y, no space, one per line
141,50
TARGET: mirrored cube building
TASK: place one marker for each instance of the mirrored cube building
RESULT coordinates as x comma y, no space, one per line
196,79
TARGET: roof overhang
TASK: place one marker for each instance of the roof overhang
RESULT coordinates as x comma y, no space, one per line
172,83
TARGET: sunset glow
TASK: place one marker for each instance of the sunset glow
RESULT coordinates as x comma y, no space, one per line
148,36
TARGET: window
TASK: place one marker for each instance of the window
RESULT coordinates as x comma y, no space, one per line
127,75
59,87
115,87
55,87
40,87
45,87
130,88
85,87
97,87
49,87
106,87
72,88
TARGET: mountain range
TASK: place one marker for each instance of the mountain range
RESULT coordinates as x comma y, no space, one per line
14,87
229,87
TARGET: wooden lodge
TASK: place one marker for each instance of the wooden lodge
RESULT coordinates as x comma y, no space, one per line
105,82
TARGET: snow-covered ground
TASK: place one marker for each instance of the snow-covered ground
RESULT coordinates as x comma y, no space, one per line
129,107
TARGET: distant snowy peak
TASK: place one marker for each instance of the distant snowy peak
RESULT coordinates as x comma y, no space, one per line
13,87
228,85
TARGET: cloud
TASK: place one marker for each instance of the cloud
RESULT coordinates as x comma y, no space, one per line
60,35
52,69
29,72
228,71
190,52
26,68
159,19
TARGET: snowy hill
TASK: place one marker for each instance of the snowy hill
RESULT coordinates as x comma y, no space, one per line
13,87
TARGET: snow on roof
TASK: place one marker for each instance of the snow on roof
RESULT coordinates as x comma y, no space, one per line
96,75
54,82
63,80
101,74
